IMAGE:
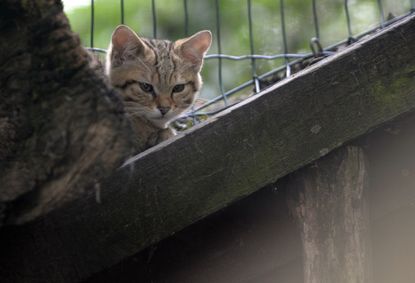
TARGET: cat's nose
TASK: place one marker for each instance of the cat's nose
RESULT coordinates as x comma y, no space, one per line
163,109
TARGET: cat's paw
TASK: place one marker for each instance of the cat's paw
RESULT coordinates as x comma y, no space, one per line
165,134
159,136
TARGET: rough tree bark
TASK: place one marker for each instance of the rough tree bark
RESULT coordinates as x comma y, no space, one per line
327,201
61,126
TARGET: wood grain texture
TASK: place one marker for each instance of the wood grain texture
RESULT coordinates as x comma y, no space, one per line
327,200
61,126
203,170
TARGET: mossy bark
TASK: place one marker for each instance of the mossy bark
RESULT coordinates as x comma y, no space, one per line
61,126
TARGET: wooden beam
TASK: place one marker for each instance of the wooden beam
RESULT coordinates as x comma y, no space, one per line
232,155
327,200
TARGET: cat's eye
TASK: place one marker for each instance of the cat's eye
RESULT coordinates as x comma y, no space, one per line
146,87
178,88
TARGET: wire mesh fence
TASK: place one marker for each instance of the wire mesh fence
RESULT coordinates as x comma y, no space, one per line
285,63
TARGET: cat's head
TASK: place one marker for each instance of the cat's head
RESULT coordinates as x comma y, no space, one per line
158,79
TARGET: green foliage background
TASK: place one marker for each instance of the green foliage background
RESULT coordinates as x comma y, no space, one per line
234,27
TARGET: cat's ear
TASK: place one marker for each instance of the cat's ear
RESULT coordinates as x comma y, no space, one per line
126,42
195,47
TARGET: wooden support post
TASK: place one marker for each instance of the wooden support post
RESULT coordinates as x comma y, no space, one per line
327,201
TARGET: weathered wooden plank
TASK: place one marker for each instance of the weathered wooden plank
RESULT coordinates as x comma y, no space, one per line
246,147
327,200
252,241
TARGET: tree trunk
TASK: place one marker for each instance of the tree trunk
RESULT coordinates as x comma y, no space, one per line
327,200
61,126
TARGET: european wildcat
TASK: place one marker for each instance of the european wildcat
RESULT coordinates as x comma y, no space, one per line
158,79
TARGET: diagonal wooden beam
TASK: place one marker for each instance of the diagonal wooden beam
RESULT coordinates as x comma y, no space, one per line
231,156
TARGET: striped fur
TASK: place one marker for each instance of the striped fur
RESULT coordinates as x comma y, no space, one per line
158,79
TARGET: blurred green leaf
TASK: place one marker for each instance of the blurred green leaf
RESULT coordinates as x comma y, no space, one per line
234,27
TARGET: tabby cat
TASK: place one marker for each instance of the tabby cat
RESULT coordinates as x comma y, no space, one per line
158,79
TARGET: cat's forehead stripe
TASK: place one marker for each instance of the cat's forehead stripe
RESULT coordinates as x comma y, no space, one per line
173,70
164,63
